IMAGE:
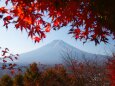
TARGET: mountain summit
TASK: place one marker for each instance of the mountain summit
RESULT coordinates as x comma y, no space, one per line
53,52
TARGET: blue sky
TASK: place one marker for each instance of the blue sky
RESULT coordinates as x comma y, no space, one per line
19,42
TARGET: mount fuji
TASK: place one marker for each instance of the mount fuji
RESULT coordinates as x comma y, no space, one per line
53,52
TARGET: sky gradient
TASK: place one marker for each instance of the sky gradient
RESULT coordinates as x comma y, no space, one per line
19,42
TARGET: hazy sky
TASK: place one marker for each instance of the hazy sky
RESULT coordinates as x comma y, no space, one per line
18,42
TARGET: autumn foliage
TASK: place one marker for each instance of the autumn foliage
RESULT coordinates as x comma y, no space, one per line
59,75
89,19
92,20
111,70
8,61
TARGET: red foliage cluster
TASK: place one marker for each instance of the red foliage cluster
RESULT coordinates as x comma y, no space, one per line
28,15
8,60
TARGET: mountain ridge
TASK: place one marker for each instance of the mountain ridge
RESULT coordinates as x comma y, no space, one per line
51,53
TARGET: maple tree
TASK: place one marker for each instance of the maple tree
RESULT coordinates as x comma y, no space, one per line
96,17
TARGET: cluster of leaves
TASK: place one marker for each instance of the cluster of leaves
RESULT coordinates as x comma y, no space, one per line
81,74
7,60
96,17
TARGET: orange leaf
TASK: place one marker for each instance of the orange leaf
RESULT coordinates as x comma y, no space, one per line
37,39
48,28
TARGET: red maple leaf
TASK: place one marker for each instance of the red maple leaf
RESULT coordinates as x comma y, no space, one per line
37,39
48,27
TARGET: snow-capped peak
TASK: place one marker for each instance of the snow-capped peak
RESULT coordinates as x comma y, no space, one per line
51,53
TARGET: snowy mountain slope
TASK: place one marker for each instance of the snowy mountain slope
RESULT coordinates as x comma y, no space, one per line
52,53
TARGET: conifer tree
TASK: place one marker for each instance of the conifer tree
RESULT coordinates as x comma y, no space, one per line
31,76
19,80
6,80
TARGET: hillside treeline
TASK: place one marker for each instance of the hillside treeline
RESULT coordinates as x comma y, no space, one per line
73,73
